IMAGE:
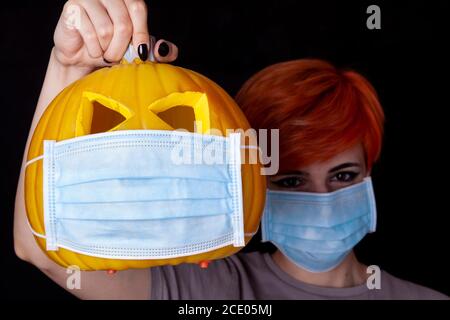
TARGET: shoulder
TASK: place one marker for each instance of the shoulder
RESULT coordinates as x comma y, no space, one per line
242,266
396,288
254,258
222,279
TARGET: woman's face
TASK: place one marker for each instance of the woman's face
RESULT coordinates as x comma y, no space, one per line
344,169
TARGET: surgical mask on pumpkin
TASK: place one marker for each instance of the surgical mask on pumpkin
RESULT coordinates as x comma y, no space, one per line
316,231
132,195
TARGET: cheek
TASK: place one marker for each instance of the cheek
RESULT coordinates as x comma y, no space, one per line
364,172
360,178
271,185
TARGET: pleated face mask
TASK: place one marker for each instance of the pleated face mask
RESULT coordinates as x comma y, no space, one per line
143,194
316,231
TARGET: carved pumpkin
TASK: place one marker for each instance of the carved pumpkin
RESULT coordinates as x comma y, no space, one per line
134,96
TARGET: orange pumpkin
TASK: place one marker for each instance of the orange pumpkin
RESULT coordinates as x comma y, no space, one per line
137,96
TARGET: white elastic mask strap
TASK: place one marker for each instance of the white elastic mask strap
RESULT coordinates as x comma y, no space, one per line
37,234
250,147
34,160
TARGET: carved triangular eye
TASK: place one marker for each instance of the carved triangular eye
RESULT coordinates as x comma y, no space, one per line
99,113
181,109
179,117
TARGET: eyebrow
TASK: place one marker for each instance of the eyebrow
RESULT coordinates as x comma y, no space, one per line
343,166
294,172
303,173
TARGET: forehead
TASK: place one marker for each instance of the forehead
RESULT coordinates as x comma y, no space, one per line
354,154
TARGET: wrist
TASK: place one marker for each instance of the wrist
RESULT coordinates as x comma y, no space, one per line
65,72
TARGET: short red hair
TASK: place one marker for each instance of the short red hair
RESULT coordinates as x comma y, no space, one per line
319,109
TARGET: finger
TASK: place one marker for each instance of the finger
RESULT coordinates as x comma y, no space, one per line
165,51
123,28
101,21
67,37
87,32
137,9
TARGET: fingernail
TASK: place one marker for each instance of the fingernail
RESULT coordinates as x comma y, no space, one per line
163,49
106,61
143,51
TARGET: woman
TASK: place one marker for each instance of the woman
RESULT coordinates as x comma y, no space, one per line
330,125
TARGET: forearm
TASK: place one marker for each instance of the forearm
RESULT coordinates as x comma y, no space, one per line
57,78
77,54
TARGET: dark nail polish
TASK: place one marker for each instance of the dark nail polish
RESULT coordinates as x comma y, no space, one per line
106,61
143,51
163,49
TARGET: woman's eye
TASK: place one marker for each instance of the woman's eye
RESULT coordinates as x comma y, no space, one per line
290,182
346,176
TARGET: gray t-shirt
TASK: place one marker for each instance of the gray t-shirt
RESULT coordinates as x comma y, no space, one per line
256,276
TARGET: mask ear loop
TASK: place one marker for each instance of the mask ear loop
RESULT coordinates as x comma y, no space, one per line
34,160
251,234
37,234
251,147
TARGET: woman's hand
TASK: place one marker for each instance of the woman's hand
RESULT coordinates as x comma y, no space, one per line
94,33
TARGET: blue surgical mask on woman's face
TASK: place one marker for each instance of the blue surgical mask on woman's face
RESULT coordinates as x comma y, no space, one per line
316,231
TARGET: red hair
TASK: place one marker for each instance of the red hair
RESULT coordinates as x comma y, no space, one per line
319,109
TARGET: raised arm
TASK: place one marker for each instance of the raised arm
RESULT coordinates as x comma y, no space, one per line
88,33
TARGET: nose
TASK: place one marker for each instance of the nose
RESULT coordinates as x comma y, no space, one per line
318,187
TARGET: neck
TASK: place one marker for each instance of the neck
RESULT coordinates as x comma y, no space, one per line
349,273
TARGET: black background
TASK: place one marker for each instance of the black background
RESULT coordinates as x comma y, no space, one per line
228,41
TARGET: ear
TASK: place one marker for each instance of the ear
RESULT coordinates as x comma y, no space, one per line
99,113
